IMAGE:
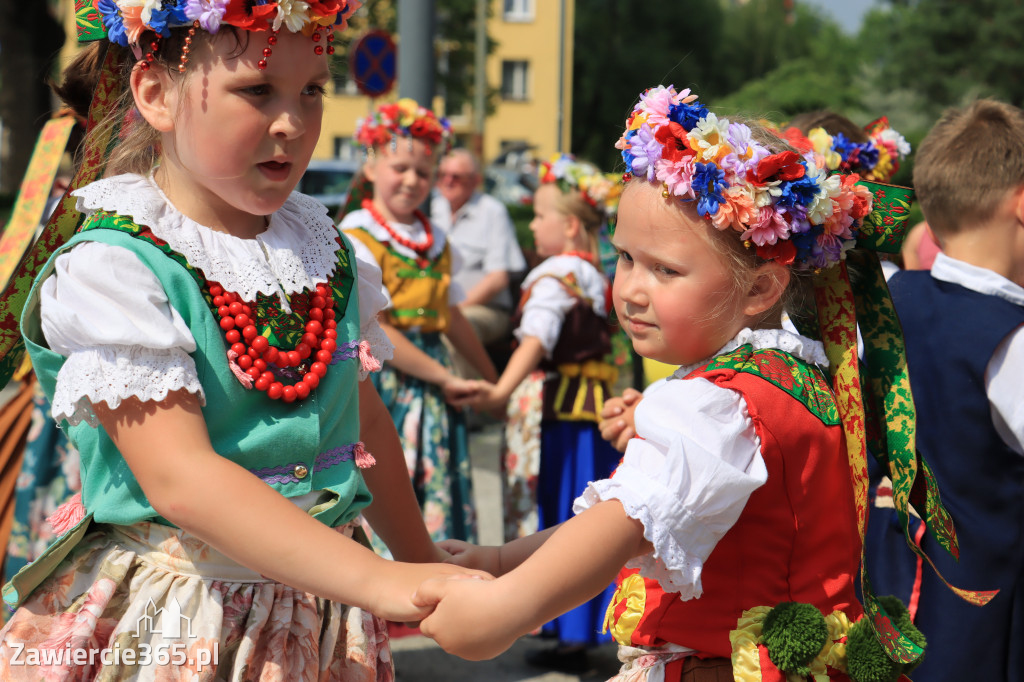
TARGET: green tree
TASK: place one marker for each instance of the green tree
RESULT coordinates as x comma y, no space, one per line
948,51
622,47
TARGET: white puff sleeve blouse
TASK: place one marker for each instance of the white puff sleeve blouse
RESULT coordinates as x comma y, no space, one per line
109,316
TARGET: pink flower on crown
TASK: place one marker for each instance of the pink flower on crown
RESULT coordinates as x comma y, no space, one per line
769,227
134,26
677,175
656,102
208,12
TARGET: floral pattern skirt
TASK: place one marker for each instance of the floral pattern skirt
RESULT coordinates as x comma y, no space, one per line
49,476
151,602
435,444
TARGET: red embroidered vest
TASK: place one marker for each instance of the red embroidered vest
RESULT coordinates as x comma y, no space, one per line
796,539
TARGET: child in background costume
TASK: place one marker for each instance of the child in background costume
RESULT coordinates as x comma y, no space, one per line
737,500
205,335
964,327
404,143
556,380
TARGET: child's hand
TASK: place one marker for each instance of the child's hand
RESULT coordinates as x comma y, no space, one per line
463,621
488,399
472,556
460,392
617,421
396,588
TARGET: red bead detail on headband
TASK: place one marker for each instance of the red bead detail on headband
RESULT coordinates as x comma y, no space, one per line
319,49
271,41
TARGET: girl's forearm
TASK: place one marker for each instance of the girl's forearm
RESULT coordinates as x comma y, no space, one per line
167,447
411,359
467,343
578,559
525,359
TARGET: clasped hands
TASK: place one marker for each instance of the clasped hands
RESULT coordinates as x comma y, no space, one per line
478,394
472,618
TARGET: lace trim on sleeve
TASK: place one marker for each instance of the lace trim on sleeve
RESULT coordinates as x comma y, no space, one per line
114,373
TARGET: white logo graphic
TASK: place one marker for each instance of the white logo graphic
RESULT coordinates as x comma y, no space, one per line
168,622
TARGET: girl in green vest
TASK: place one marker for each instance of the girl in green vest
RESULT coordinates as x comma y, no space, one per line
204,339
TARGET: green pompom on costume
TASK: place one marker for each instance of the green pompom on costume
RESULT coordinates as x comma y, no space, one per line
866,661
794,633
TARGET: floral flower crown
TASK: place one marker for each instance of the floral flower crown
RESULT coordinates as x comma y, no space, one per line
600,190
125,21
877,160
404,118
785,205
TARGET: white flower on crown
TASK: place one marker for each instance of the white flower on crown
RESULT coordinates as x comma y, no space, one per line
294,14
711,138
823,206
898,141
147,8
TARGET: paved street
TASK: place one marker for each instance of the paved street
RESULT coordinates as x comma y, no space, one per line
419,659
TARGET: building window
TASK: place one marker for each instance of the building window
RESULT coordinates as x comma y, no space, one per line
518,10
515,80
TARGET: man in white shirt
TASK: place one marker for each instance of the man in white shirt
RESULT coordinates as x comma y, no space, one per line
479,227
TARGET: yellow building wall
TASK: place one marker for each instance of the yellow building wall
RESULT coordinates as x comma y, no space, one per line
534,120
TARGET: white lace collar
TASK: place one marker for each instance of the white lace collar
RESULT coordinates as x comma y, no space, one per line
296,252
364,219
796,345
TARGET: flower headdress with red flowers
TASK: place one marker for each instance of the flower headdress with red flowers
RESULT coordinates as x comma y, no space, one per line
876,160
600,190
124,22
404,118
784,204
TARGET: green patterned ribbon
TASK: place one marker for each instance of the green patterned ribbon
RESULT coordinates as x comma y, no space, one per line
63,222
883,415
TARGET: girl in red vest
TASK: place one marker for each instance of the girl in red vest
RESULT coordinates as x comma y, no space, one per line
736,497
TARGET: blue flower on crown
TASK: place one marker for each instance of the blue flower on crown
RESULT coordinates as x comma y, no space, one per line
176,12
867,155
111,16
158,21
687,115
708,185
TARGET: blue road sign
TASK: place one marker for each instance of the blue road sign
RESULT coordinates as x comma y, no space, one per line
373,63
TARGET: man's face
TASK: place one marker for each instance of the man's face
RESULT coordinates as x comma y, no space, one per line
456,180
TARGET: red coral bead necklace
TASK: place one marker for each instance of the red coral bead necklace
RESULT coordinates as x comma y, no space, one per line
420,248
253,352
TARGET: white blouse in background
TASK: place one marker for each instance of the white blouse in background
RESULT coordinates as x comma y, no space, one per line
688,475
549,302
109,316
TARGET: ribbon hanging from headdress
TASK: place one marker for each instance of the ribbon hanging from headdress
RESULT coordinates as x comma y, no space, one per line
65,218
882,418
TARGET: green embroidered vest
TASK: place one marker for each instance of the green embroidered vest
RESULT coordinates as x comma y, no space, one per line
296,448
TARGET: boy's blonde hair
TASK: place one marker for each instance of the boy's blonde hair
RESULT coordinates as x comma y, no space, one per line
967,163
